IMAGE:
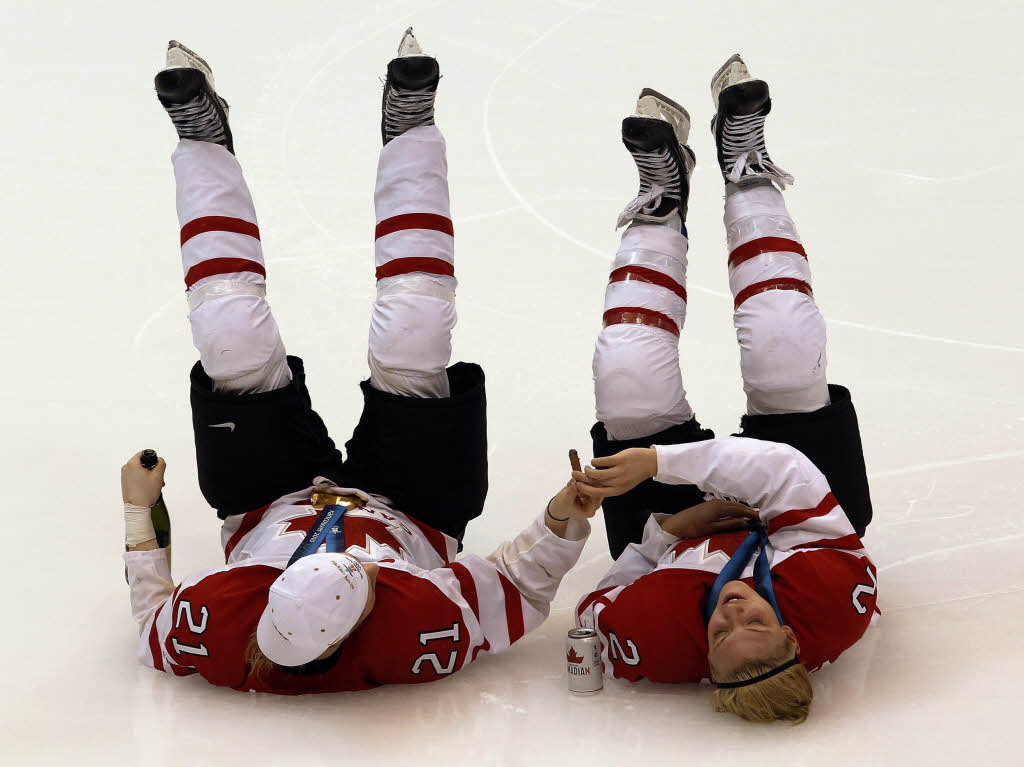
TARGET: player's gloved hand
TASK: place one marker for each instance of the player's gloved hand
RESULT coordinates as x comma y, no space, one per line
141,486
710,517
617,474
571,504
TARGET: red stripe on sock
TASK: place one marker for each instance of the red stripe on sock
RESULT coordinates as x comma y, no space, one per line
635,315
761,245
414,221
222,266
643,274
218,224
779,283
406,265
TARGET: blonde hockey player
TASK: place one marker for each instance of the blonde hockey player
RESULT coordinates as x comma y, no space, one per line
339,574
768,579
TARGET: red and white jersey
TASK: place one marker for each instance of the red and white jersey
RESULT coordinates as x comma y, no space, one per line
373,533
648,610
431,616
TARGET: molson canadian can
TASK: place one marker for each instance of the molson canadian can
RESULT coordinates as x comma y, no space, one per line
583,660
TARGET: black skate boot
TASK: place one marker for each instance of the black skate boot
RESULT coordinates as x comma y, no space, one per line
741,105
409,89
185,88
656,137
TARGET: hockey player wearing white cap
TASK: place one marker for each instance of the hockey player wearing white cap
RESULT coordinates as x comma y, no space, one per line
753,595
339,574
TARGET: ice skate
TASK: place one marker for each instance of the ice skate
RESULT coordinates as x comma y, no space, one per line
741,105
409,89
186,90
656,136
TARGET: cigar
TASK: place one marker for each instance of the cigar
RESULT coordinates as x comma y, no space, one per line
574,460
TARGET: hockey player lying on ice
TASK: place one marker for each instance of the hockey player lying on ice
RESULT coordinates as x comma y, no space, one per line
695,594
385,603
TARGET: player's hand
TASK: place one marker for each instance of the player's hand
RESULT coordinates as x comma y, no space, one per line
571,504
709,518
141,486
617,474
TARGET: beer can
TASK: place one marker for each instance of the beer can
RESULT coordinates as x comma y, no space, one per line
583,661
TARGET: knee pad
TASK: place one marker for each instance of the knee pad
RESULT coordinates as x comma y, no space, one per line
236,336
782,344
637,383
411,333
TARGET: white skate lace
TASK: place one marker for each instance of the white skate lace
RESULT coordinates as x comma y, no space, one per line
659,177
405,109
198,120
744,151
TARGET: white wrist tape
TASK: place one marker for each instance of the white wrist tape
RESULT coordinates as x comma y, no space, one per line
138,524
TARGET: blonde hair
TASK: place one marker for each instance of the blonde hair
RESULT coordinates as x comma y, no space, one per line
786,696
258,663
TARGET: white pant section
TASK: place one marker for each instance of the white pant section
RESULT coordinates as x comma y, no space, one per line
233,328
781,333
411,322
638,387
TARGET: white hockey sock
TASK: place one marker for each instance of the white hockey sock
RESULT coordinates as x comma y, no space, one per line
638,387
780,331
412,319
225,280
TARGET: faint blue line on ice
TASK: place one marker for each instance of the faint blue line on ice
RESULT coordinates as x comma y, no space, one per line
946,464
1002,593
948,549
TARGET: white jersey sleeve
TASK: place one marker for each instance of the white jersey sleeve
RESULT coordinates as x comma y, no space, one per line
509,592
149,582
640,558
789,491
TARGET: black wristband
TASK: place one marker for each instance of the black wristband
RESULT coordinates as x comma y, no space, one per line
557,519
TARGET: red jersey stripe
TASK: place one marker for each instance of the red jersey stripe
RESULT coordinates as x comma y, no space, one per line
414,221
214,266
513,609
779,283
467,587
643,274
218,224
849,542
585,604
413,264
636,315
796,516
154,641
749,250
435,538
249,521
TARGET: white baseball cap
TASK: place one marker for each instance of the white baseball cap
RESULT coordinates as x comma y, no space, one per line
312,605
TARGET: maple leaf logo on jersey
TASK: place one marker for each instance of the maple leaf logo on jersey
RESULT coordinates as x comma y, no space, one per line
301,524
573,657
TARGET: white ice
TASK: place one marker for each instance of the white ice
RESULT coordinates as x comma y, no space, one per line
903,124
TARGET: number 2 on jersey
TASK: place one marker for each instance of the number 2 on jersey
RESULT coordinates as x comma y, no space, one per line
185,609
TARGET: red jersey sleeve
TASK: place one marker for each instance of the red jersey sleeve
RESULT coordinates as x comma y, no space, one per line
206,624
827,596
652,628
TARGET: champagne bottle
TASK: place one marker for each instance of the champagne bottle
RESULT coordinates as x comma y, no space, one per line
158,511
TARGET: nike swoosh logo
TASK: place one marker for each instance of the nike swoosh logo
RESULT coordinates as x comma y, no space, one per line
228,425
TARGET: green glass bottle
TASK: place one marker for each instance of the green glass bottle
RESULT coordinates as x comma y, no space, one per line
158,511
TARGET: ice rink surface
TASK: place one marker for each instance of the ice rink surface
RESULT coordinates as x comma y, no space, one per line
903,125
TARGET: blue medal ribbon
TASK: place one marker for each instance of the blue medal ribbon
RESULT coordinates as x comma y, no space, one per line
329,526
737,564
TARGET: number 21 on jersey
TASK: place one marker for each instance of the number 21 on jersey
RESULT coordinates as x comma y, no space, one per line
426,637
